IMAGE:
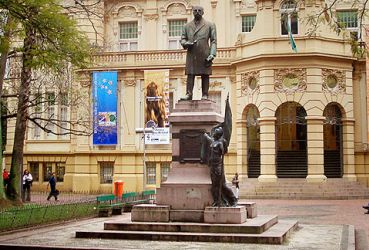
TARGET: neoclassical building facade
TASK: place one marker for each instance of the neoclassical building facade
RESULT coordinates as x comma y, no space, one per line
296,113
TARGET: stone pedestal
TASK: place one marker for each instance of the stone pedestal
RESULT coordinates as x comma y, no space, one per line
150,213
185,196
225,215
188,184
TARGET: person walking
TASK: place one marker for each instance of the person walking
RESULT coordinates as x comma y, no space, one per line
6,178
53,191
27,183
235,183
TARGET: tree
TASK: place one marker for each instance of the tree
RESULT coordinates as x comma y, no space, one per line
51,40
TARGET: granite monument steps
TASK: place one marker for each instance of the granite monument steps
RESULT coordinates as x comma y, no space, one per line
262,229
291,188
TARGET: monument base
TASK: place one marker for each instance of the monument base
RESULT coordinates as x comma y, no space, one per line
225,215
187,187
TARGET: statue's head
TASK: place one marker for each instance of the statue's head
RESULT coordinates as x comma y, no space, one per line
218,132
197,12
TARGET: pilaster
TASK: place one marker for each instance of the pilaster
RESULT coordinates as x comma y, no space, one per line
315,147
267,149
348,125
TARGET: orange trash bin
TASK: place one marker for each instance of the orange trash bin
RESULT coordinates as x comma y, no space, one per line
118,188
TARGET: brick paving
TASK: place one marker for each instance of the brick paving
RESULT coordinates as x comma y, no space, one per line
321,227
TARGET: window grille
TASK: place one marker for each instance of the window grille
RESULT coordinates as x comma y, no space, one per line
150,173
248,23
128,30
60,171
33,169
106,172
164,167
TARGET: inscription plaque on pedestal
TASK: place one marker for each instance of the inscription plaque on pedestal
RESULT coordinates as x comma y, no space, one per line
190,145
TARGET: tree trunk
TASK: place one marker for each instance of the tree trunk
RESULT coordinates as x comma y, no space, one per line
15,186
3,60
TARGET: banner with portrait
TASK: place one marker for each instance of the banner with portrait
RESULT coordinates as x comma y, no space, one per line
156,112
104,86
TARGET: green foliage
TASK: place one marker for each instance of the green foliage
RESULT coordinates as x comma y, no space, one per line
58,40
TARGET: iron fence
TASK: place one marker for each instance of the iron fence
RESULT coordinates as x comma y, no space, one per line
40,211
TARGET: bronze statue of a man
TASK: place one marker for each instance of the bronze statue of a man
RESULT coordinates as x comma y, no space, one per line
195,38
222,194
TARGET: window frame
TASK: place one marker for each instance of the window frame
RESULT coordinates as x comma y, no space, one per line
175,38
288,13
242,22
103,176
150,176
164,171
59,165
352,30
35,174
129,41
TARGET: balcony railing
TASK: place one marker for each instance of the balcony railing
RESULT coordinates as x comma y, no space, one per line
151,58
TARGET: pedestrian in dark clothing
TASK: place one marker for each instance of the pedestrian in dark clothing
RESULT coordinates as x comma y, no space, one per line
53,191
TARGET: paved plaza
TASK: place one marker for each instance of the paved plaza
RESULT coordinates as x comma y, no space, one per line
323,224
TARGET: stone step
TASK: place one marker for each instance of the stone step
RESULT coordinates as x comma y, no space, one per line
275,235
256,225
300,189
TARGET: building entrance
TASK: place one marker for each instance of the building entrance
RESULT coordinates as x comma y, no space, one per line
253,142
291,131
333,141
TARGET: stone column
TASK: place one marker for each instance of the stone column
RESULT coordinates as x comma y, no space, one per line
241,148
348,149
267,149
315,149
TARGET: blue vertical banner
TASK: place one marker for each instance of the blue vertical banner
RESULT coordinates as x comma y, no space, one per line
105,108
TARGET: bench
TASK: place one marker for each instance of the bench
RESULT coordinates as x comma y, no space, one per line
367,208
132,198
107,205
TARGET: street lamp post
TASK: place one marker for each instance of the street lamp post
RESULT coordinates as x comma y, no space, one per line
144,131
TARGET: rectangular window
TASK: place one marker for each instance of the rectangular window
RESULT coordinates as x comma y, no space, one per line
128,35
47,169
38,111
33,169
294,23
128,30
63,115
106,172
347,18
164,171
60,171
150,173
175,32
50,100
176,27
248,23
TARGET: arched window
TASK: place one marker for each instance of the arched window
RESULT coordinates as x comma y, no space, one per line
289,17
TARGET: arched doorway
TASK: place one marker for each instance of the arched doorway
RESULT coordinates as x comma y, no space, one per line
291,131
253,141
333,141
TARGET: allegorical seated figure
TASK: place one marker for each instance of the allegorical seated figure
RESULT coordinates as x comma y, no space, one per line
217,147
